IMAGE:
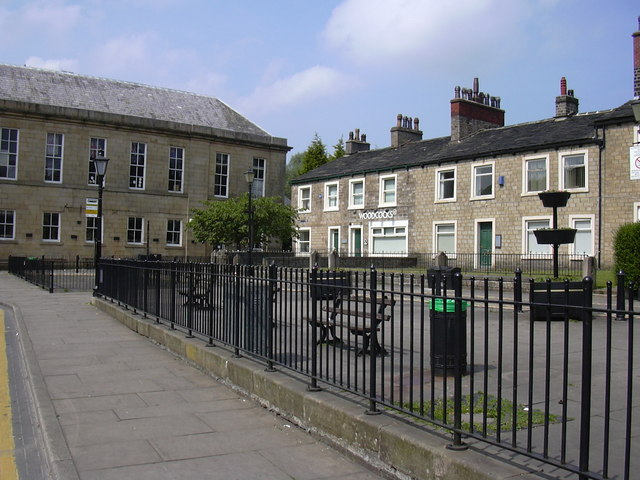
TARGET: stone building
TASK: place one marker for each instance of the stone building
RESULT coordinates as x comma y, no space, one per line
476,191
169,151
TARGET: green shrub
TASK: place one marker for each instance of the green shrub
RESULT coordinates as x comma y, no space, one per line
626,251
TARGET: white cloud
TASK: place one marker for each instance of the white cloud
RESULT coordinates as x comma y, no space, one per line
303,87
66,64
51,15
422,32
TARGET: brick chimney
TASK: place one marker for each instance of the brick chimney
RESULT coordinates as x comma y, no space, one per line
356,143
472,111
636,62
566,103
407,129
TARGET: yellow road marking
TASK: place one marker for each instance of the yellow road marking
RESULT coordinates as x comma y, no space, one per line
8,469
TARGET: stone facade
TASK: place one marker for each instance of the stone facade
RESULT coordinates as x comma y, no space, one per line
28,196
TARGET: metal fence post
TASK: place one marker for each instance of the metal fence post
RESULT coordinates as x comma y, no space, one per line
620,296
314,331
190,300
517,290
236,319
585,403
271,298
373,345
457,444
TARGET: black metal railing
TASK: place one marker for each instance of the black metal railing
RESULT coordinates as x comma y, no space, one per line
55,274
517,372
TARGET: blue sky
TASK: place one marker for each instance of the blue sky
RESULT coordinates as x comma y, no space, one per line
300,67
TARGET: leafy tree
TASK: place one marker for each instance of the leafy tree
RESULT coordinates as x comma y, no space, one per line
292,170
338,150
227,222
314,156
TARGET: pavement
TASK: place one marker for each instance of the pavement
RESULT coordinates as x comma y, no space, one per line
106,403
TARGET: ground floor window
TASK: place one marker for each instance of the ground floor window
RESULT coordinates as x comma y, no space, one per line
91,231
174,232
51,227
445,237
531,244
7,224
304,241
583,244
388,238
135,230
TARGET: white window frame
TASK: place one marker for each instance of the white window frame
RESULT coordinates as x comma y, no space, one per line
299,243
438,184
474,178
141,230
395,224
561,176
54,153
177,170
259,176
525,173
525,236
9,152
52,226
97,148
351,246
93,229
330,230
327,197
221,175
382,192
438,223
302,198
173,232
352,204
572,223
636,211
137,165
4,224
476,240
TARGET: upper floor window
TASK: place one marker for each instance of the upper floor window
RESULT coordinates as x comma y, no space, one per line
573,170
331,196
8,153
446,184
51,227
137,164
97,148
135,230
221,177
356,193
535,175
304,199
388,191
483,180
53,158
174,232
176,168
7,224
259,165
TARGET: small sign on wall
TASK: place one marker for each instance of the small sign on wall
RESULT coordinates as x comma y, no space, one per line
634,162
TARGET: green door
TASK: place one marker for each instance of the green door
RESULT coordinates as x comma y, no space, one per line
485,234
356,242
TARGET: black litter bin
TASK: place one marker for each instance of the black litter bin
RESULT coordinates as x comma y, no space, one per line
447,335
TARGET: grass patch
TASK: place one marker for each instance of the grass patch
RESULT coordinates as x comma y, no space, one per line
507,419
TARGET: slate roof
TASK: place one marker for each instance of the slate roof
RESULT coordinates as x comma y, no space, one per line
549,133
62,89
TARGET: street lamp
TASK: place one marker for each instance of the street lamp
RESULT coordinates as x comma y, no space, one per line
101,168
249,175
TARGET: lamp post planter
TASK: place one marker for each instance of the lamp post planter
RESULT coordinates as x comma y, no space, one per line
551,236
554,199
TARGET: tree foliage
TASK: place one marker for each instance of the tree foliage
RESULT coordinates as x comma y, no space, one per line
626,251
292,170
314,156
227,222
338,150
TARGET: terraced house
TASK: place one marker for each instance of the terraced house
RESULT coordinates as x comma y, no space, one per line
169,151
476,191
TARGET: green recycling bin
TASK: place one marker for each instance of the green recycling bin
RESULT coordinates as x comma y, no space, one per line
447,335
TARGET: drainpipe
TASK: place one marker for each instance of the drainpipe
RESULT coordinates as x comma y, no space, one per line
600,142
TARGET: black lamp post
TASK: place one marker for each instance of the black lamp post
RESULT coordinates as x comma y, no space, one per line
249,175
101,168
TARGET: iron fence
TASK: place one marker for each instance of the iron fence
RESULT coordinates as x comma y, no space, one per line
486,364
55,274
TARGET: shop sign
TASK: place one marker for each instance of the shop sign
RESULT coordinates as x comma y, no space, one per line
378,214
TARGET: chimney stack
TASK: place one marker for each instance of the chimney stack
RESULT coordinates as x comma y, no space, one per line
407,129
472,111
356,143
566,103
636,62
